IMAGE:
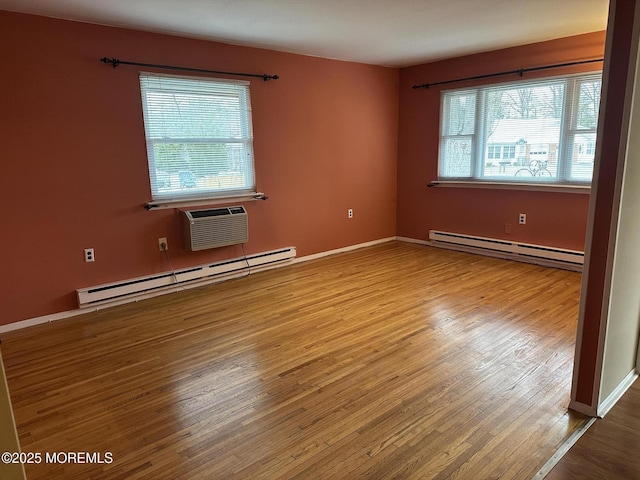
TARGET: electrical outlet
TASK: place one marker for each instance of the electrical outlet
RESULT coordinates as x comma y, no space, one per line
162,244
89,255
522,219
507,228
350,213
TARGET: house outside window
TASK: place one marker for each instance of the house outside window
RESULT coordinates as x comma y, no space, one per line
543,129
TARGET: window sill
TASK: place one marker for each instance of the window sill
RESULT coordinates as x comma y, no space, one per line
199,202
539,187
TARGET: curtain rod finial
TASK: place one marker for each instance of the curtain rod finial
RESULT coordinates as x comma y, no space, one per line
113,61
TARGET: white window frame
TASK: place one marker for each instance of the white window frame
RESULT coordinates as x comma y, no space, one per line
476,139
243,140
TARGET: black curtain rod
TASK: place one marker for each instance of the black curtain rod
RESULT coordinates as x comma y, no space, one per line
520,72
115,62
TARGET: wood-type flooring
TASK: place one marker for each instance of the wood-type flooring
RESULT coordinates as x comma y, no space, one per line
393,361
609,450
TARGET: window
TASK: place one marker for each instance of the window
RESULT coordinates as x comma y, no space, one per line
199,137
508,151
525,132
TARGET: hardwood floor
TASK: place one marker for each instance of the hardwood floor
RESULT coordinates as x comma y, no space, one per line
394,361
609,449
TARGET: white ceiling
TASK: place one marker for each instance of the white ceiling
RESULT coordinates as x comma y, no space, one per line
382,32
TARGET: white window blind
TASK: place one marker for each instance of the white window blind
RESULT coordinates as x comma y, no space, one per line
525,132
199,137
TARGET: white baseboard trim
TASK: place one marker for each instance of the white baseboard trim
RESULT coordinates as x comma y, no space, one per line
31,322
415,240
611,400
562,451
358,246
602,410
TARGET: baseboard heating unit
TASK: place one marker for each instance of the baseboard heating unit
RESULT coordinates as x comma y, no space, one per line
539,254
152,285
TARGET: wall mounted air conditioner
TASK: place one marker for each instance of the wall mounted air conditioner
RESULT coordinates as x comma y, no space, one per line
213,228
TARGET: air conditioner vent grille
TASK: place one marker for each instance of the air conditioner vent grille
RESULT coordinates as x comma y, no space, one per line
209,213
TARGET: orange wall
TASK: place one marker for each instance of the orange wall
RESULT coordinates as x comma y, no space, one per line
74,168
329,136
556,219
